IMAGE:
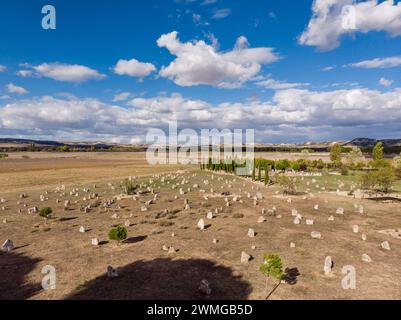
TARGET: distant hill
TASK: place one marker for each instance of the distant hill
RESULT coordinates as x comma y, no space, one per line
12,144
391,146
367,142
28,142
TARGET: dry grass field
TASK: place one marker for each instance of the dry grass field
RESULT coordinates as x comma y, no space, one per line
33,170
146,271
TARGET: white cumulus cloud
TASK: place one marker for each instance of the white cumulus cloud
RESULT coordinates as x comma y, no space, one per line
64,72
133,68
330,21
198,63
291,115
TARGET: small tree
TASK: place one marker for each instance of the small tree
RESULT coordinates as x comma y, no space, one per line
335,154
378,151
272,267
119,233
354,157
45,212
267,178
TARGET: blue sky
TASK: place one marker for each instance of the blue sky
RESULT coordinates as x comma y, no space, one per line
280,67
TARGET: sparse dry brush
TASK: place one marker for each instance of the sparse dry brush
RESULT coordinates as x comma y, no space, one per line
288,184
129,187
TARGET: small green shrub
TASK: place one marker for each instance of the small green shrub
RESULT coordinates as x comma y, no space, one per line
344,171
295,166
382,179
3,155
283,164
367,180
45,212
385,178
119,233
272,266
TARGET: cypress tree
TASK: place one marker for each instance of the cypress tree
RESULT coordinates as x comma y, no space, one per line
267,178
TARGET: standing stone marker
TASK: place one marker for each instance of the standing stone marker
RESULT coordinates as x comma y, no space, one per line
251,233
201,224
7,246
245,257
328,265
366,258
316,235
111,272
204,288
385,245
261,219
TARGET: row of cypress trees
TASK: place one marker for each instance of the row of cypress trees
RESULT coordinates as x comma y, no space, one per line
231,166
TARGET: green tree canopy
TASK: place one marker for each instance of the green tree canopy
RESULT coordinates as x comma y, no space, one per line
378,152
335,153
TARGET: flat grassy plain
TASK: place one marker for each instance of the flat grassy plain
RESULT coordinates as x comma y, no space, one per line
23,171
148,272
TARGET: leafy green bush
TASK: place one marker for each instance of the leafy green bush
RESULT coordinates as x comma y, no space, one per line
64,149
119,233
367,180
272,266
344,171
129,187
282,164
382,179
45,212
385,178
